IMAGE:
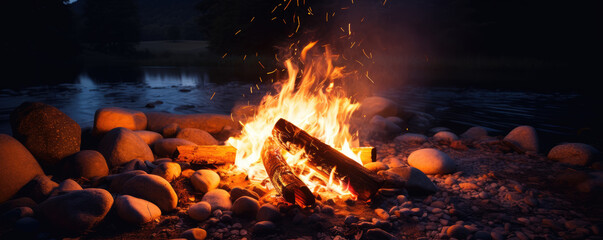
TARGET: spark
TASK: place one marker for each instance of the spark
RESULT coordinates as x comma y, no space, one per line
349,29
223,56
369,78
237,32
275,8
260,79
298,23
271,72
261,64
212,96
327,16
310,11
244,56
272,19
258,87
251,90
359,63
367,56
384,2
286,6
252,18
306,49
352,44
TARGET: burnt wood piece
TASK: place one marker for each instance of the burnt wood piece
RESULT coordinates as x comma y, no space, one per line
323,158
293,189
222,154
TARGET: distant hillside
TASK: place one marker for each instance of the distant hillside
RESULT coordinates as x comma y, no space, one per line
160,17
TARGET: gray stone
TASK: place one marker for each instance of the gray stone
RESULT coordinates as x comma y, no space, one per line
49,134
167,146
152,188
199,211
218,199
431,161
135,210
17,167
205,180
246,207
574,153
87,164
76,211
523,138
198,136
121,145
106,119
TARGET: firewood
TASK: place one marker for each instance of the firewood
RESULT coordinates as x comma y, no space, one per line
293,189
326,159
221,154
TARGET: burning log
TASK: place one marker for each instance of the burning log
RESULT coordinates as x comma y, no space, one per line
293,189
221,154
326,159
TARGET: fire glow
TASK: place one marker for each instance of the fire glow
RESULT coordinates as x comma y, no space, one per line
312,100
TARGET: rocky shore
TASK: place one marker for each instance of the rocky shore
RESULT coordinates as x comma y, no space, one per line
118,181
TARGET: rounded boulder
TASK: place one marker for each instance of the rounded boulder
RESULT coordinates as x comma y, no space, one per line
574,153
149,137
167,146
523,138
199,211
121,145
152,188
218,199
87,164
135,210
106,119
246,207
431,161
198,136
17,167
205,180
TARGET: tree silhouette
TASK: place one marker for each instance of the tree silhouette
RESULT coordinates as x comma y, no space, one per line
111,25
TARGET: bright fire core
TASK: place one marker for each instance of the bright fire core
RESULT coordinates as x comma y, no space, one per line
311,100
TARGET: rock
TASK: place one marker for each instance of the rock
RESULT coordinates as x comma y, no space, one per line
87,164
117,181
445,136
135,210
411,138
15,214
106,119
205,180
418,121
49,134
199,211
264,227
121,145
237,192
457,231
66,186
482,235
468,186
76,211
475,133
268,212
246,207
416,181
381,213
134,164
211,123
17,203
574,153
523,139
376,166
39,188
170,130
17,167
168,170
167,146
396,120
218,199
194,234
380,127
431,161
378,234
149,137
197,136
152,188
372,106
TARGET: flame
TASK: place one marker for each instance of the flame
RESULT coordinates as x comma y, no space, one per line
312,100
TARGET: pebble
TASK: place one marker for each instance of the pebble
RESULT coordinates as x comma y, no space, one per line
218,199
135,210
152,188
246,207
378,234
238,192
205,180
268,212
168,170
194,234
381,213
199,211
264,227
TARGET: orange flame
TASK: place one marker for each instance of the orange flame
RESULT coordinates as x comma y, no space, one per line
315,104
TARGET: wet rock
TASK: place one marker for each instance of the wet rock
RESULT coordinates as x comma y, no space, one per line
167,146
246,207
49,134
194,234
121,145
523,139
199,211
197,136
268,212
205,180
106,119
378,234
134,164
39,188
212,123
168,170
17,167
475,133
411,138
431,161
152,188
76,211
372,106
264,227
87,164
237,192
218,199
135,210
457,231
376,166
445,136
574,153
416,180
149,137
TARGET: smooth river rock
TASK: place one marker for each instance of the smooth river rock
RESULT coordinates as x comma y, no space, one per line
246,207
168,170
574,153
218,199
49,134
106,119
87,164
17,167
135,210
416,180
152,188
212,123
431,161
205,180
523,138
411,138
199,211
121,145
198,136
149,137
167,146
445,136
475,133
